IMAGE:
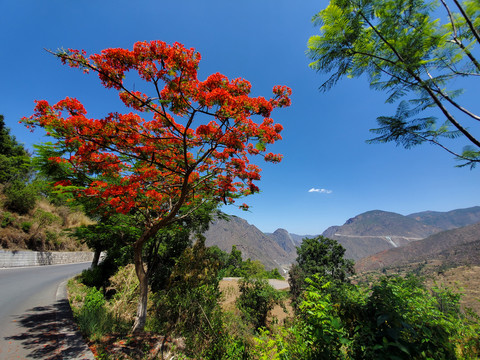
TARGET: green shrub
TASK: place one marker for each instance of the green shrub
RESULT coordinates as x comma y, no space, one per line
20,197
189,306
257,298
94,301
93,319
52,237
26,226
93,277
274,274
7,219
397,318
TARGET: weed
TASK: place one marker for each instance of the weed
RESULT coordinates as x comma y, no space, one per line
26,226
7,219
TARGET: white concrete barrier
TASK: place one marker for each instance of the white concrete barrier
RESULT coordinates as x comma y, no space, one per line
13,258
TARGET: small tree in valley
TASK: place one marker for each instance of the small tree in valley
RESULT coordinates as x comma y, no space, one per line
195,145
322,256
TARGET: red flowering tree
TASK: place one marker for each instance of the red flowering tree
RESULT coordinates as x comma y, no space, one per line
187,142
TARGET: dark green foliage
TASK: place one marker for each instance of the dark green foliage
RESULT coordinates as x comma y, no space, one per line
296,280
15,173
95,277
235,258
26,226
257,298
164,250
401,319
397,318
232,265
52,238
170,242
20,197
110,233
274,274
14,159
7,219
322,256
189,306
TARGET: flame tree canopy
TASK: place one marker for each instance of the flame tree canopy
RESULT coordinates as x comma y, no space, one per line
155,165
186,142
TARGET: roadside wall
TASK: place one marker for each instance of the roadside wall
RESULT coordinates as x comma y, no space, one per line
10,258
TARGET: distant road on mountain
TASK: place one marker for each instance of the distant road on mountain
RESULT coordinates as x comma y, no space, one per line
376,231
363,235
457,247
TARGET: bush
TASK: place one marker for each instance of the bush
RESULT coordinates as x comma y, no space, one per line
20,197
7,219
93,319
51,237
274,274
189,306
257,298
26,226
402,318
124,286
397,318
94,277
322,256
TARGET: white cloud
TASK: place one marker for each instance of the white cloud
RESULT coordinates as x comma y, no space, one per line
321,191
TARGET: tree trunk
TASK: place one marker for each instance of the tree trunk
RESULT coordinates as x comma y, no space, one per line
96,258
141,316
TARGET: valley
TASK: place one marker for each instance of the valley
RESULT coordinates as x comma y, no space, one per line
374,239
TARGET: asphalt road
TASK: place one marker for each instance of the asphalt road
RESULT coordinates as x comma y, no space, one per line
35,318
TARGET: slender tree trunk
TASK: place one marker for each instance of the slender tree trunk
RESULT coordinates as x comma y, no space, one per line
141,316
96,258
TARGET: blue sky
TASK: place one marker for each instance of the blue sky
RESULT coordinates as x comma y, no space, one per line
264,42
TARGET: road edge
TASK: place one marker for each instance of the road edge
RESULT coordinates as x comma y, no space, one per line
68,334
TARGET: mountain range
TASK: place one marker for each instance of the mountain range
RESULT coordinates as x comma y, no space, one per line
460,246
363,235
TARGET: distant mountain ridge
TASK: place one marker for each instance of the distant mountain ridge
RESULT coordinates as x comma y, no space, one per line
363,235
375,231
450,219
460,246
252,242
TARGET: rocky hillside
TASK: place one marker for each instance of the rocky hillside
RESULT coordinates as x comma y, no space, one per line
450,219
41,229
286,241
252,242
376,231
363,235
455,247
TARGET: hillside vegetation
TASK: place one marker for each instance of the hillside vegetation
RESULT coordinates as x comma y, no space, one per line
453,247
195,315
43,228
32,216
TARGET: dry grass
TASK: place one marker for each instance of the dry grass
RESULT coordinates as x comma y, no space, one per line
43,229
230,292
464,279
124,302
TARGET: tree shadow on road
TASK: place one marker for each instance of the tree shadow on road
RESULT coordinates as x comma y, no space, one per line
48,332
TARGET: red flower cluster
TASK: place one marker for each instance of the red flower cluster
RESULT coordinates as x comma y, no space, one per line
196,144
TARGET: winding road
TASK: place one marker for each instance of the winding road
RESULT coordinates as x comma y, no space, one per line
35,317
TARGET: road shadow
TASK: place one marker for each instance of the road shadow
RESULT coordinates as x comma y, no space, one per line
48,332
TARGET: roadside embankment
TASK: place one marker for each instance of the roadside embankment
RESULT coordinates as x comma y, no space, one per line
13,258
